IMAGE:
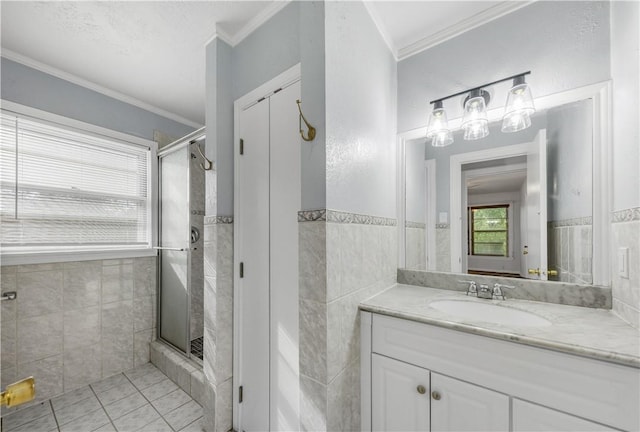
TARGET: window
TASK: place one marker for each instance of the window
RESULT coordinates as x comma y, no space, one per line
68,190
489,230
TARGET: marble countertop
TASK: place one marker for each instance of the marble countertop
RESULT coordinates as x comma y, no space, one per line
587,332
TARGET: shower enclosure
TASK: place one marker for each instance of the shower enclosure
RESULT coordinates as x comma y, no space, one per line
181,167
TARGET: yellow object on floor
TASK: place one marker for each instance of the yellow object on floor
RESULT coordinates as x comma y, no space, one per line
19,392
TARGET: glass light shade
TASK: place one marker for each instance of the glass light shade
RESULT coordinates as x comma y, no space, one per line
518,109
475,122
442,139
437,121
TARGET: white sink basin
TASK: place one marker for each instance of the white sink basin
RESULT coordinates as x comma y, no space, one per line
489,312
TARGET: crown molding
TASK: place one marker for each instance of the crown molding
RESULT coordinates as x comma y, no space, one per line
258,20
221,35
378,22
463,26
50,70
252,25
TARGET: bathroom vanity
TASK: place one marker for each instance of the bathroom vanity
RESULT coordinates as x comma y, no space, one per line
431,361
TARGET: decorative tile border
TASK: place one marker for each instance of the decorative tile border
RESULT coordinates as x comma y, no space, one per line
343,217
218,219
312,215
588,220
442,226
628,215
409,224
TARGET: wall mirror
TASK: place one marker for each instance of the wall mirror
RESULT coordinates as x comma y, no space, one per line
530,204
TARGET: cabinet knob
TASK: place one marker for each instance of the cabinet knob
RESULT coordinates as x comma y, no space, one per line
421,389
435,395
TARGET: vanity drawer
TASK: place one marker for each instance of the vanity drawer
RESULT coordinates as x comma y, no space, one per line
599,391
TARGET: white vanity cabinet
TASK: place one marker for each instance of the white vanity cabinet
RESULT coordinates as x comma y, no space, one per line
405,397
421,377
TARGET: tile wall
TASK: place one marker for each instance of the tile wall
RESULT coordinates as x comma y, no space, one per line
416,250
570,250
344,259
75,323
218,323
196,203
625,233
443,248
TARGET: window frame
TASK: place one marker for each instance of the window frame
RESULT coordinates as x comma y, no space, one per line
67,254
508,206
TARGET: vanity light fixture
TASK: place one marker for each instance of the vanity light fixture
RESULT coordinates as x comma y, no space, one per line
475,123
438,127
519,107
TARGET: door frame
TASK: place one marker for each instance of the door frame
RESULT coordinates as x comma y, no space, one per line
286,78
600,93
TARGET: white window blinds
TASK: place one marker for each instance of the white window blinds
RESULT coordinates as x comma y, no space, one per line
65,189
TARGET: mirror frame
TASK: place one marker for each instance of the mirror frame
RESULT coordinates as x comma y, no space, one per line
600,93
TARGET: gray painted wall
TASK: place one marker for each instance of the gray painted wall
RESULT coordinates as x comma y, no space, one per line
564,44
570,161
361,76
30,87
625,71
416,186
294,35
496,138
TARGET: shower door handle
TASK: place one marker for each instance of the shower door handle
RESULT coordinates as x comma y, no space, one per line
171,249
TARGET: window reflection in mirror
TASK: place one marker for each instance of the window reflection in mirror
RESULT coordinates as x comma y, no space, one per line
500,245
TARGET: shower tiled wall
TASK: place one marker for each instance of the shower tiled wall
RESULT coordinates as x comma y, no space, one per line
196,217
218,322
344,259
74,323
625,233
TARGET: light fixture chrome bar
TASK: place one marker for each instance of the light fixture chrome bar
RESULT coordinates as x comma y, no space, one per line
480,87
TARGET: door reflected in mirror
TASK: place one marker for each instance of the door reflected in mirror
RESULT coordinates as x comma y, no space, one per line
511,204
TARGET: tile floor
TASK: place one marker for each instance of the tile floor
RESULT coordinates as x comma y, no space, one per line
139,400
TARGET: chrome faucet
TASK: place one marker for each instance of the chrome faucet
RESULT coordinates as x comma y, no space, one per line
497,293
472,289
484,292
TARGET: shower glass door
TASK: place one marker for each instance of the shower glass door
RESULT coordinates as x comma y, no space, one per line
174,247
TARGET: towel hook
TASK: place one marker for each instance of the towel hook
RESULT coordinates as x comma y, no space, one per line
208,165
311,134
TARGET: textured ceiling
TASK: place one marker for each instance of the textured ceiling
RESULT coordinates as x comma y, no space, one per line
151,51
154,51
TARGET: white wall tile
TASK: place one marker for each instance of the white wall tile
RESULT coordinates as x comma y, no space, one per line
82,284
82,327
39,293
39,337
117,282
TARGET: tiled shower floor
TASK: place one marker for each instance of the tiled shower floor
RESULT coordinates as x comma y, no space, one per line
196,347
140,400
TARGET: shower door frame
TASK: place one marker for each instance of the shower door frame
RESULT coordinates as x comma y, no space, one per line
169,149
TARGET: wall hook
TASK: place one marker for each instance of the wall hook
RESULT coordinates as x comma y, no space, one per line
208,165
311,134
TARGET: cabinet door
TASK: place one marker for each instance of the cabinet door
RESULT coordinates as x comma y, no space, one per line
460,406
397,404
531,417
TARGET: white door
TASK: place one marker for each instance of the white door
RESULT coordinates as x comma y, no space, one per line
536,208
285,203
460,406
267,201
251,242
531,417
399,396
